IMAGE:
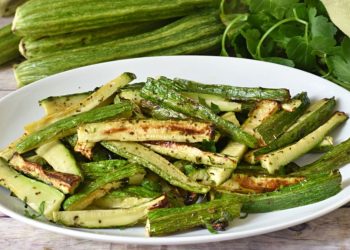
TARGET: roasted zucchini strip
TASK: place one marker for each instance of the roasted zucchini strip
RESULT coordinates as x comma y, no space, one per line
192,154
163,94
97,169
37,195
146,130
281,157
64,182
281,121
59,157
92,101
311,190
55,104
332,160
165,221
234,93
109,217
137,153
127,197
68,125
100,187
242,183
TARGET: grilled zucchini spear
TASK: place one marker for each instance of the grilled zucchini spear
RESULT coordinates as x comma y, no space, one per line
109,217
281,157
164,221
146,130
311,190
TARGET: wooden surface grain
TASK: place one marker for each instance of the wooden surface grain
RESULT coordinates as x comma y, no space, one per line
331,231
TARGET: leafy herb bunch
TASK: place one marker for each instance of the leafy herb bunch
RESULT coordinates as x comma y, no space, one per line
289,32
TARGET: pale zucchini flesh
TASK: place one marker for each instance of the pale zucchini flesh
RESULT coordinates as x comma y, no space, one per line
33,192
64,182
59,157
109,217
192,154
146,130
276,159
54,104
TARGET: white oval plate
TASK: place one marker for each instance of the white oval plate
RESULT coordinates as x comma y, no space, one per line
21,107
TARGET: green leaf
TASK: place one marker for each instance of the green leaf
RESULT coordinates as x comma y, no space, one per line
276,8
340,63
300,51
285,32
252,37
320,25
261,21
322,45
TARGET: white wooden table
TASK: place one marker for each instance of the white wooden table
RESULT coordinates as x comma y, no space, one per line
331,231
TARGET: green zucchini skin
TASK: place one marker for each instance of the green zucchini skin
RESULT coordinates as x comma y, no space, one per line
37,47
32,19
312,190
87,193
163,94
94,170
234,93
300,130
332,160
189,29
278,123
137,153
127,197
66,126
8,45
276,159
165,221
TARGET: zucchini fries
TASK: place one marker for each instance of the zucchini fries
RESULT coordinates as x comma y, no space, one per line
173,154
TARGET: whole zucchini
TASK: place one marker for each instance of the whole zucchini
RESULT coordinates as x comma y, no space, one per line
187,30
36,47
41,18
8,45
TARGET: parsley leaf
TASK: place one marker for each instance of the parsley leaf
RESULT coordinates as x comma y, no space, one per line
276,8
320,26
340,63
300,51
